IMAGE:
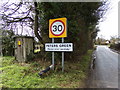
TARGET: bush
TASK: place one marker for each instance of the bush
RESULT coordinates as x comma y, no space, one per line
7,43
115,46
31,56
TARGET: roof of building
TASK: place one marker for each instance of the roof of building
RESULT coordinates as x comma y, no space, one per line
23,37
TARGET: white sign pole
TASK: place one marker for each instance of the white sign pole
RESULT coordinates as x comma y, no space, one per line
62,57
53,63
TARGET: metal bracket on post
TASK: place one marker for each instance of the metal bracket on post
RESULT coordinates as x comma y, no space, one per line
62,57
53,63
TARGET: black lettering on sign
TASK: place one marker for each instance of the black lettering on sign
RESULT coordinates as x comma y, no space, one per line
54,28
70,46
57,28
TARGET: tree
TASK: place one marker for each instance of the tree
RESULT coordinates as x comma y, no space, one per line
114,39
7,43
16,14
93,36
20,15
82,20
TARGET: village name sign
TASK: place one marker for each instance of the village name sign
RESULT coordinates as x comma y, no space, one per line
58,29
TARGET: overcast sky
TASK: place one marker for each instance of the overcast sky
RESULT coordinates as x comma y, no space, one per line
109,27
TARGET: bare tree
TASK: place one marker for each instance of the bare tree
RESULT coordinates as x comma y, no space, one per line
21,15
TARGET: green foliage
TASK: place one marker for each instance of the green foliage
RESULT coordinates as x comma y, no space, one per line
25,75
7,43
86,60
31,56
82,19
115,46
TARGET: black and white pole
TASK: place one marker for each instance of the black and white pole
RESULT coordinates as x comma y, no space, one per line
53,62
62,57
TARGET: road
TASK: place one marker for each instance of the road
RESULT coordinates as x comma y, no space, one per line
105,73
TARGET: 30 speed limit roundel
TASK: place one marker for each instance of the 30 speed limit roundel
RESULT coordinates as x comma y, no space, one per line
57,28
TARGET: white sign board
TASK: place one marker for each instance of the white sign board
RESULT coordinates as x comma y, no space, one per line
59,47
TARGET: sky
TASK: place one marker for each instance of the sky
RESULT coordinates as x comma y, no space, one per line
109,27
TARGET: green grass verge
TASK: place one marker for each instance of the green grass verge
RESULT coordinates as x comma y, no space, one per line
25,75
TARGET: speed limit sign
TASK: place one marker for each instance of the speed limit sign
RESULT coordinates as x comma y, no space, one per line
57,28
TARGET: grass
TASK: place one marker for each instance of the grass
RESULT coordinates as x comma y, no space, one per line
25,75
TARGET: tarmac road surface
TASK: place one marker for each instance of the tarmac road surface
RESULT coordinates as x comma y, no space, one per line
105,73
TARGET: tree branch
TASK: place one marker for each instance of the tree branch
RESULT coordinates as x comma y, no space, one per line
19,19
36,24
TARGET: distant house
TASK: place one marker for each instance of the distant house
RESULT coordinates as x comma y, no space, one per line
117,42
107,42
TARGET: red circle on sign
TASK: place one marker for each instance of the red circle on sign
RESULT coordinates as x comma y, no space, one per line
53,23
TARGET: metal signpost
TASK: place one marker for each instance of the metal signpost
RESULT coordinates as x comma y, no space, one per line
58,29
53,55
62,57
